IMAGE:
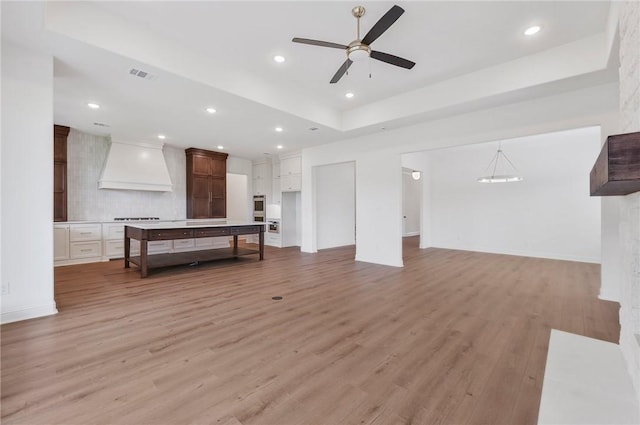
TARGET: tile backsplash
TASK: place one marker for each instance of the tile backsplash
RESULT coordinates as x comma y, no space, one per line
86,154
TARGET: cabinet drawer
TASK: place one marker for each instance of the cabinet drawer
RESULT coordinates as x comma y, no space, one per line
245,230
159,246
291,183
168,234
85,249
113,231
183,244
114,249
85,232
214,231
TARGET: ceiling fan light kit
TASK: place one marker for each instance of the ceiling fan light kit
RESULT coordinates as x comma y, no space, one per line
359,49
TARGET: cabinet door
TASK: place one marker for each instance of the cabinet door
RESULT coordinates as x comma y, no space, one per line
218,198
59,191
218,168
292,183
259,187
60,242
201,165
290,166
200,197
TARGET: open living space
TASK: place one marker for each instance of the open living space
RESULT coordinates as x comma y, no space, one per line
286,213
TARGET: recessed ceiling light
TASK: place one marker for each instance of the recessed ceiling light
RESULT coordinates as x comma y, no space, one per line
220,147
279,58
279,129
211,110
532,30
93,105
279,146
161,136
349,95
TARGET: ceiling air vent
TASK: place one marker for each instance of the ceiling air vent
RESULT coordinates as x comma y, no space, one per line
142,74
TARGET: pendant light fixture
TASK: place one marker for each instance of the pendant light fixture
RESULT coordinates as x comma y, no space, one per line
507,172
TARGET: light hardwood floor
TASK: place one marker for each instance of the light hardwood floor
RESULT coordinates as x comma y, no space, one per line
454,337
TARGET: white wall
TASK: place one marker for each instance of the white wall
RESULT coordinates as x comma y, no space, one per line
86,154
550,214
378,159
236,197
27,180
629,205
335,205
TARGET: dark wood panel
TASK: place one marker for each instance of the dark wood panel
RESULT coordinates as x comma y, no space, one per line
206,180
175,259
201,165
218,208
617,169
60,134
169,234
453,337
219,168
245,230
213,231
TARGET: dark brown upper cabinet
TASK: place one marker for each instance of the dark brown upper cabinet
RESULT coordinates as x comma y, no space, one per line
206,184
60,134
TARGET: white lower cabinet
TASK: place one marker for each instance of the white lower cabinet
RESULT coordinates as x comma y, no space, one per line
60,242
85,249
76,243
183,244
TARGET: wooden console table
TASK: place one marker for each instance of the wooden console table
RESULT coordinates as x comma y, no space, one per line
145,232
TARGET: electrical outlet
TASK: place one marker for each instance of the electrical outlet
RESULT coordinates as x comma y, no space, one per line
6,288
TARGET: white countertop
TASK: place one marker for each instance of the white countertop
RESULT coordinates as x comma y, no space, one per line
204,221
176,224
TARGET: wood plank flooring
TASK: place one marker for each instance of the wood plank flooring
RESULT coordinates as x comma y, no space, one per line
454,337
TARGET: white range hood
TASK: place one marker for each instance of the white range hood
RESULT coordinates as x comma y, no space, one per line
135,166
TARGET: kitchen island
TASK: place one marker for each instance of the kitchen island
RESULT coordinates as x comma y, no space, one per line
145,232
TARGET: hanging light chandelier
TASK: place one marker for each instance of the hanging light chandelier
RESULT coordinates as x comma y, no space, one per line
506,171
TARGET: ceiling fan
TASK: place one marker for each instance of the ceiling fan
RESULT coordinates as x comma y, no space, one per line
359,48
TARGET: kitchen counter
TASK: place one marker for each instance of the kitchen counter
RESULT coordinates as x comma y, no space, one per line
187,229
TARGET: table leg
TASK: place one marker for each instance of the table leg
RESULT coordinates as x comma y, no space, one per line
235,245
261,245
127,251
143,258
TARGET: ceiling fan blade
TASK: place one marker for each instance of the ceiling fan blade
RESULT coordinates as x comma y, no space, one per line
393,60
319,43
383,24
341,71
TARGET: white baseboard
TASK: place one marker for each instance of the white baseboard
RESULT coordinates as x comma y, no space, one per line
411,234
28,313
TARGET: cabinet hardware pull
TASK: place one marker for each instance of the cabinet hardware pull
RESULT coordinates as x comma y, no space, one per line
85,233
85,250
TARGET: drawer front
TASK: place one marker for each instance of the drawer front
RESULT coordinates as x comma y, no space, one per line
213,231
113,231
168,234
85,232
86,249
245,230
114,249
183,244
159,246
